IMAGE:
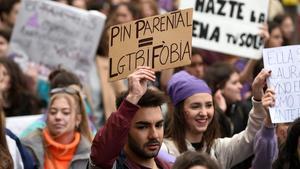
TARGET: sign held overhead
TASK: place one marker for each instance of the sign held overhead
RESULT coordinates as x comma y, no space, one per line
228,26
161,42
50,33
285,79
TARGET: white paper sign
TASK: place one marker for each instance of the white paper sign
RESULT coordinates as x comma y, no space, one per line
285,79
51,33
228,26
19,123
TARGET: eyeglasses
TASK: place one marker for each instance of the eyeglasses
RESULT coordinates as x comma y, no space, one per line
68,90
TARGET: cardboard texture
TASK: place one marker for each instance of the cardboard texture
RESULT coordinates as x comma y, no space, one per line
161,42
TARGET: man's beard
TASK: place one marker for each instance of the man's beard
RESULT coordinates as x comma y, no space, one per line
134,147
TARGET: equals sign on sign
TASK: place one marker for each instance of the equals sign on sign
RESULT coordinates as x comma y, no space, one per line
145,42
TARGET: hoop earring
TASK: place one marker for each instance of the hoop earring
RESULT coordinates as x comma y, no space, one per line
77,126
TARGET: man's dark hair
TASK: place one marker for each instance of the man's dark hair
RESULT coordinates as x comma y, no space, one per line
151,98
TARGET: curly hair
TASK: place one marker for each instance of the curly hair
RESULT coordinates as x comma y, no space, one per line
20,98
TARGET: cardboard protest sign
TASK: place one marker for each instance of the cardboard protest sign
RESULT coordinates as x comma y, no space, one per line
285,79
51,33
230,27
161,42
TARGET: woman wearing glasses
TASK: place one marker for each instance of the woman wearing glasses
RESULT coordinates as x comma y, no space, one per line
65,141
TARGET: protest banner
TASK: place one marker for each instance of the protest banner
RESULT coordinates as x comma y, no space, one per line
161,42
285,79
51,34
228,26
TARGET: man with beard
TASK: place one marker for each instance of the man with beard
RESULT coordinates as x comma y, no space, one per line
132,136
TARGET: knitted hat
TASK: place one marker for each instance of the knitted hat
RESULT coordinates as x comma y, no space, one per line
183,85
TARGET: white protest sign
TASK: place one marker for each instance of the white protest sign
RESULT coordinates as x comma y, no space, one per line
18,124
51,33
285,79
228,26
161,42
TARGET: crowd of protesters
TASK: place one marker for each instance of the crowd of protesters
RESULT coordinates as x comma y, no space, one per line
211,114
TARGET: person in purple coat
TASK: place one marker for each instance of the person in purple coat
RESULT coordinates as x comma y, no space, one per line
265,141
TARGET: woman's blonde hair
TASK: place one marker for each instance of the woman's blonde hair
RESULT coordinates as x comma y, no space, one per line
74,91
